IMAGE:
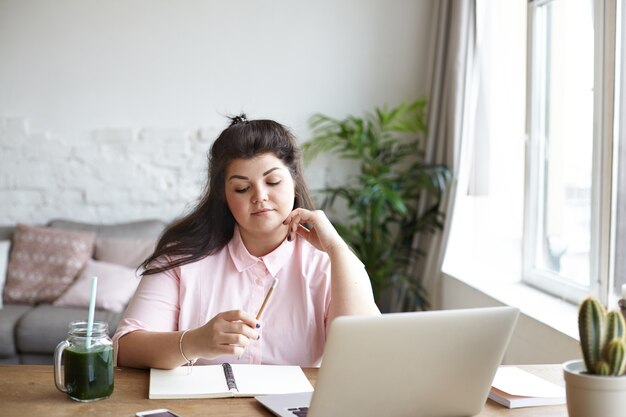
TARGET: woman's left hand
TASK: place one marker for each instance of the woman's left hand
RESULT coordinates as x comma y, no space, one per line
320,231
351,289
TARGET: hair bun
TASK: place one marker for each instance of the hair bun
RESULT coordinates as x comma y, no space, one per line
236,120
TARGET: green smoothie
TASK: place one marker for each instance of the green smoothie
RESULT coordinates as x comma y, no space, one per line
88,374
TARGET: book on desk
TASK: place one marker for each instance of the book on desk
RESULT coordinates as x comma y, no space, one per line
226,380
515,388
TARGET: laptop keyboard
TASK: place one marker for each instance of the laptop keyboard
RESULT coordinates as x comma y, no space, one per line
299,411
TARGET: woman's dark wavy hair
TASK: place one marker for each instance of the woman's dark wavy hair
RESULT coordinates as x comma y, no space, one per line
209,226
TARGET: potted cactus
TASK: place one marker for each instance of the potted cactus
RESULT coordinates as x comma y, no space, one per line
596,385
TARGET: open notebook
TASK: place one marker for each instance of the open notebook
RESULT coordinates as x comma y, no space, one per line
226,380
434,363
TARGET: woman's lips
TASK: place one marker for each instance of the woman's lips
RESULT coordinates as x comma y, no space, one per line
261,212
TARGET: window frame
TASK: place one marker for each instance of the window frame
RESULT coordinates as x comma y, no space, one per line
602,233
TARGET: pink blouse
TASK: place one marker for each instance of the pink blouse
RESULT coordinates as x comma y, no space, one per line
293,325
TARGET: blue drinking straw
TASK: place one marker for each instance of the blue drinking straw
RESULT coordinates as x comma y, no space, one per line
92,308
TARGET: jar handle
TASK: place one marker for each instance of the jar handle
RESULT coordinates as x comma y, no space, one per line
58,358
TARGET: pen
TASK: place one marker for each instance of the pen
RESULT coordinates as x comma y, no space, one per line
265,301
267,298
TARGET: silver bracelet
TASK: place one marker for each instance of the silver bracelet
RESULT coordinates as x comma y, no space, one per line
190,362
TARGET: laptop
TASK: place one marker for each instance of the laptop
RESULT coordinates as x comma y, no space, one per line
430,364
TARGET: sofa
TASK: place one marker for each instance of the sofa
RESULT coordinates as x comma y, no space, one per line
31,328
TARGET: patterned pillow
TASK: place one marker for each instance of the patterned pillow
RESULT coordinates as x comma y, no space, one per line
44,262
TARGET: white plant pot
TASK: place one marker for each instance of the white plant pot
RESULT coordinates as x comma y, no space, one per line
593,395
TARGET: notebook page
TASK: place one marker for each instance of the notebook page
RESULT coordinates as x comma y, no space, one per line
203,381
270,379
516,381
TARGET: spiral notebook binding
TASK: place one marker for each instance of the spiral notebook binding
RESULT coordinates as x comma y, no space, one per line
230,377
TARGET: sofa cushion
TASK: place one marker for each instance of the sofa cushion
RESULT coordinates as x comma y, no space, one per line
116,284
6,232
44,326
9,317
128,252
44,262
141,229
5,246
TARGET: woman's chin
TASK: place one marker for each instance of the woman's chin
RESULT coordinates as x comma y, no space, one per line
277,231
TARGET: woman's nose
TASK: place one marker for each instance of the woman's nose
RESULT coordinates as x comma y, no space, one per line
260,194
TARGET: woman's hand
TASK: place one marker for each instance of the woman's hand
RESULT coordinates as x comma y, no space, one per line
321,233
228,333
351,289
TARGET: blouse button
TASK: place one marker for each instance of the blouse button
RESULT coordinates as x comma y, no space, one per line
258,281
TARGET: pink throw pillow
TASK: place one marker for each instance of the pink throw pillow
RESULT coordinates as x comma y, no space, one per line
44,262
116,285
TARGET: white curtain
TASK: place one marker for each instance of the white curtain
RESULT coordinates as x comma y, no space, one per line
451,99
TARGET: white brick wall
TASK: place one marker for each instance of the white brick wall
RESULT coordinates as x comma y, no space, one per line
107,175
107,95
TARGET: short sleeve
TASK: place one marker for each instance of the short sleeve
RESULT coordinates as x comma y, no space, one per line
155,306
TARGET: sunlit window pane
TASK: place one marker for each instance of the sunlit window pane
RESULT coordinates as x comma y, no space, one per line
565,129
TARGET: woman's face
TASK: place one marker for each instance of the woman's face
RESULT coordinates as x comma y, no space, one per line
260,193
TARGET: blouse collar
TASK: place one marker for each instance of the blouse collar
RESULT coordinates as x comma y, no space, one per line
273,261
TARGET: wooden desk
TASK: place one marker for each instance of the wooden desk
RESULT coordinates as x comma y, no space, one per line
28,390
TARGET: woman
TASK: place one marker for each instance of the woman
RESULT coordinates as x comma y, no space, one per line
204,284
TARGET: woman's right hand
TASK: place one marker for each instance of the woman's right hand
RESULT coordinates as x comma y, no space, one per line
228,333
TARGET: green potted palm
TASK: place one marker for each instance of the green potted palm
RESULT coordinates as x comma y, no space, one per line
394,196
596,385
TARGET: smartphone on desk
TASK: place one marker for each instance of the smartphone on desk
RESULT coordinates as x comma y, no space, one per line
161,412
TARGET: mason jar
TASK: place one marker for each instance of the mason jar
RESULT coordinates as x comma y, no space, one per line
87,362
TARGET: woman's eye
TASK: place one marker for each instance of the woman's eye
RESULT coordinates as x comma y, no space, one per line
241,190
273,182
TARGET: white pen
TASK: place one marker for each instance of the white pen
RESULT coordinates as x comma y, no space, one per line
265,302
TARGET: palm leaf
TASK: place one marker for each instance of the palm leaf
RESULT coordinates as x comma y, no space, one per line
384,198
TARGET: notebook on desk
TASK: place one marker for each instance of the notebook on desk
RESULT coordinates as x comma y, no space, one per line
436,363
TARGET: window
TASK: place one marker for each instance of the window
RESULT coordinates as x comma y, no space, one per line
558,234
619,187
567,234
535,198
